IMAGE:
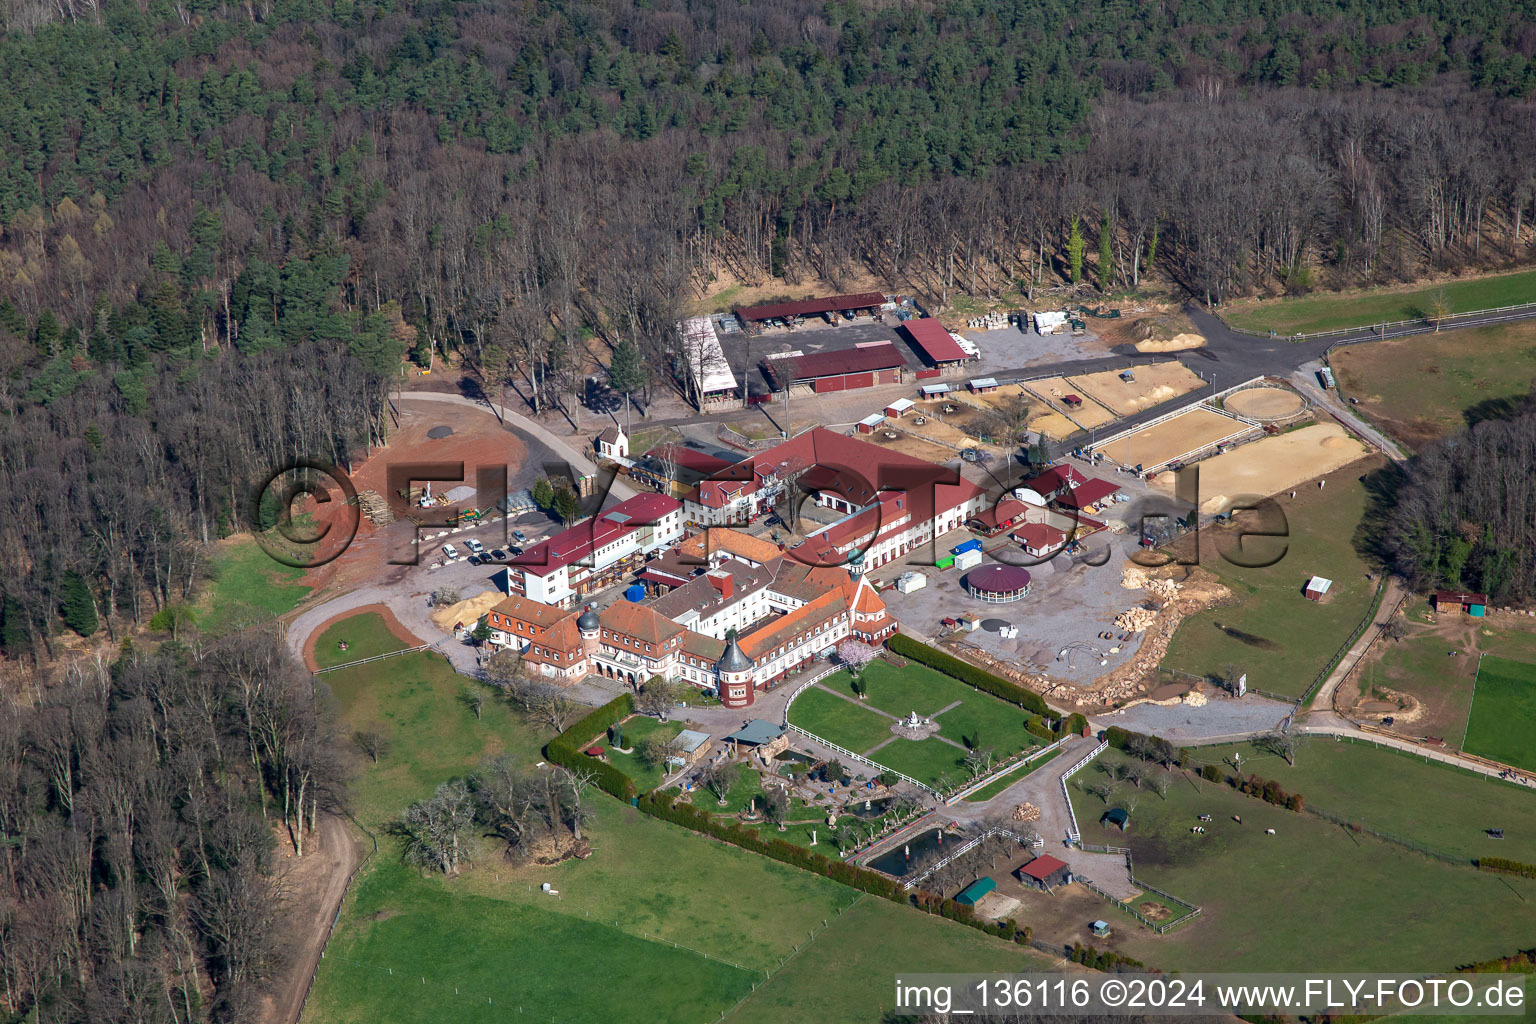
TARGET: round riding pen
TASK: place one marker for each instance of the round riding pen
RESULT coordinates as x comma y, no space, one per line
1265,404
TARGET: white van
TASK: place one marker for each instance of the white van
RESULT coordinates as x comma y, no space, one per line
450,552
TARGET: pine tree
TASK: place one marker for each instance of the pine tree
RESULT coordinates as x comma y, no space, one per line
567,505
49,333
1106,253
78,606
1075,246
13,628
543,494
627,373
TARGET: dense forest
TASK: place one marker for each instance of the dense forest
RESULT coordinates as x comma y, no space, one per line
1466,517
223,226
138,808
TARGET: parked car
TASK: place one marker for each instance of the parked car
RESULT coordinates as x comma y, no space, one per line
519,536
499,555
474,559
450,552
475,547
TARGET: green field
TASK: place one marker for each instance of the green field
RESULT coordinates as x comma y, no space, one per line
1314,895
1503,712
480,946
845,723
961,712
248,586
1426,387
1363,308
1275,634
365,637
1440,807
846,974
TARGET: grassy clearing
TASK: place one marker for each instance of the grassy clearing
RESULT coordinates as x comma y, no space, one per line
413,701
1313,893
1363,308
1418,665
1275,634
1503,712
365,637
1423,388
991,790
248,586
846,972
931,761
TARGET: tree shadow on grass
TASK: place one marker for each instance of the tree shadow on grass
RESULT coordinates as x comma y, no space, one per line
1372,539
1499,409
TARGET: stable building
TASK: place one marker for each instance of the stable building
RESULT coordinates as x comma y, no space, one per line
831,306
1045,873
935,344
864,366
1449,602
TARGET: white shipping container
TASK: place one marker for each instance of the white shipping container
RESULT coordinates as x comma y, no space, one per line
967,560
907,584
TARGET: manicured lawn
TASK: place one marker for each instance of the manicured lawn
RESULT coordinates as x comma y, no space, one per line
991,790
1504,712
989,723
846,974
636,730
365,635
843,722
249,586
1275,634
901,691
1313,893
1363,308
1423,388
925,760
1439,806
748,787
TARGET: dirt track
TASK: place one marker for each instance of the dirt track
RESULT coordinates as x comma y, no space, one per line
1172,438
1271,464
316,885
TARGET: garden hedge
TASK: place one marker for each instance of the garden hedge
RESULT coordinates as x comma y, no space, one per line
1505,866
968,674
567,748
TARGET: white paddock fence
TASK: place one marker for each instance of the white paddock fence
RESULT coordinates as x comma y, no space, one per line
1074,834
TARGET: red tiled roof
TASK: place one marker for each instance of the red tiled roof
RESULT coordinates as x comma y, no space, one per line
1092,491
571,546
690,458
720,540
792,369
535,612
829,304
859,467
934,341
1055,479
1455,597
1043,867
1040,536
640,622
1004,512
759,643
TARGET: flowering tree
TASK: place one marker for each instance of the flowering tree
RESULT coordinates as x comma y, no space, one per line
856,655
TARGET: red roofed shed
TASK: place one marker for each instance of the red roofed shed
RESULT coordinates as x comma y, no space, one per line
932,339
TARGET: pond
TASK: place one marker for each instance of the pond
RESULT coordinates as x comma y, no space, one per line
876,808
794,755
896,860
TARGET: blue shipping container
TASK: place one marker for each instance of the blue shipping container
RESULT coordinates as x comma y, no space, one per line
971,545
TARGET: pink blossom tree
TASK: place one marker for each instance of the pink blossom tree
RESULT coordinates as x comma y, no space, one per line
856,656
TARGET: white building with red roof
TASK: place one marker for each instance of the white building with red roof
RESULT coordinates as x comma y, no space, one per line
595,552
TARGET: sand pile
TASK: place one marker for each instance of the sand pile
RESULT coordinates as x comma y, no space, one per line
1026,812
467,611
1195,699
1135,620
1177,343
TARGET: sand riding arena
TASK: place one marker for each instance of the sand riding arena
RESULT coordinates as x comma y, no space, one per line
1181,436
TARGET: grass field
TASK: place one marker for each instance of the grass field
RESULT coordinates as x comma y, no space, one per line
1504,712
1443,808
1423,388
1443,686
248,586
1314,893
845,723
365,635
1275,634
899,692
1363,308
489,941
846,973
